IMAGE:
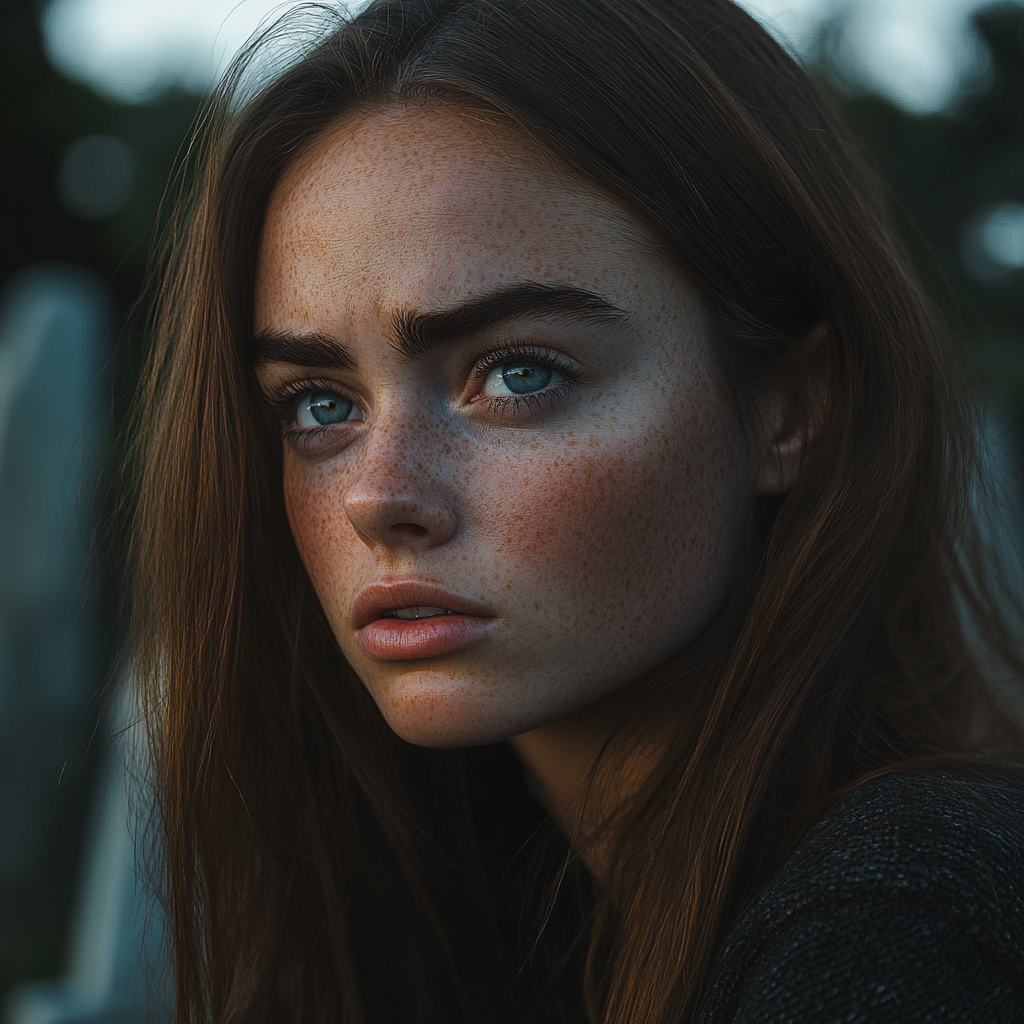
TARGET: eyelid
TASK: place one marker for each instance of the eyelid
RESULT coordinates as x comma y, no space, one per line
501,407
280,403
513,351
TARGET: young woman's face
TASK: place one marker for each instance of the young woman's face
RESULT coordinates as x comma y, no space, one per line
509,467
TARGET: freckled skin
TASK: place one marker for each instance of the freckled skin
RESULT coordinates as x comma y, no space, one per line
604,530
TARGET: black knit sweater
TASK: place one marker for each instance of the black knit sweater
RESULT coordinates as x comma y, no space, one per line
904,903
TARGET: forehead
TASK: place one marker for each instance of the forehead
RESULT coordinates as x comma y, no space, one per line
423,205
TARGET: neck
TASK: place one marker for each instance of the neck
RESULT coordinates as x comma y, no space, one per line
560,755
559,758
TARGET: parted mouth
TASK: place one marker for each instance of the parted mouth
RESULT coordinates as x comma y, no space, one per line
415,614
411,600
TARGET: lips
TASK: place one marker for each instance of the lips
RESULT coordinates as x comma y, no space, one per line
434,621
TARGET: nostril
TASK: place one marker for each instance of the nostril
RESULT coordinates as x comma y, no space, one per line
409,529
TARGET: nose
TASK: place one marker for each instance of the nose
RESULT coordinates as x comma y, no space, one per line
399,497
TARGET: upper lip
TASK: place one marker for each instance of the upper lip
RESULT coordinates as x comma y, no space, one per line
389,595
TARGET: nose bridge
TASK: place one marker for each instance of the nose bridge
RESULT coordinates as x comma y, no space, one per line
395,445
398,495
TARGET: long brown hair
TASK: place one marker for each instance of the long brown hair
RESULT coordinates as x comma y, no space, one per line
318,868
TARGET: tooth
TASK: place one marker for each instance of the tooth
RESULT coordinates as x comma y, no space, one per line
419,612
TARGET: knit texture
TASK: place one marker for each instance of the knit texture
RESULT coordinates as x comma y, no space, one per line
904,903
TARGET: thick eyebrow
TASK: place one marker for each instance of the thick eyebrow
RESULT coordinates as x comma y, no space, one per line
419,333
303,350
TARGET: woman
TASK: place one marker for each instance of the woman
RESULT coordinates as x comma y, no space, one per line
546,372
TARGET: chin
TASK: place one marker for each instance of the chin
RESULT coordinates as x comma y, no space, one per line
431,709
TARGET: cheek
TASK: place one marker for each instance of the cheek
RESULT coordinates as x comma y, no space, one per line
627,534
623,539
329,546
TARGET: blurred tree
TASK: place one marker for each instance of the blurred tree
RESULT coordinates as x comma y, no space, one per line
41,115
938,171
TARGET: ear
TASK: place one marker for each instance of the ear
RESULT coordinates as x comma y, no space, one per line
792,418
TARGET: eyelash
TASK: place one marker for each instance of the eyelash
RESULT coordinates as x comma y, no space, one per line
512,352
280,407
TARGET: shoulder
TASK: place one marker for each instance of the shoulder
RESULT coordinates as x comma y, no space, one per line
908,893
956,837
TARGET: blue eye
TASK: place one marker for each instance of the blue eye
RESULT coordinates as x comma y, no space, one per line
521,378
322,408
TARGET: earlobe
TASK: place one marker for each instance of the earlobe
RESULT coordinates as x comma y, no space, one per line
780,464
792,420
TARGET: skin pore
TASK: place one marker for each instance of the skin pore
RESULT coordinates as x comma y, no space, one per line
495,394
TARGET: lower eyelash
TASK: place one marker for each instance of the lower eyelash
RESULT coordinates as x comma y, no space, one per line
504,404
301,437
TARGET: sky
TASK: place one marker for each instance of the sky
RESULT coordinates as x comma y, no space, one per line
916,52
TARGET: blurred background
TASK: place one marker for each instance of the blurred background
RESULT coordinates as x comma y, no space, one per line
97,98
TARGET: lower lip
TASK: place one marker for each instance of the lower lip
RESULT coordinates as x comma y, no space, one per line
404,639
